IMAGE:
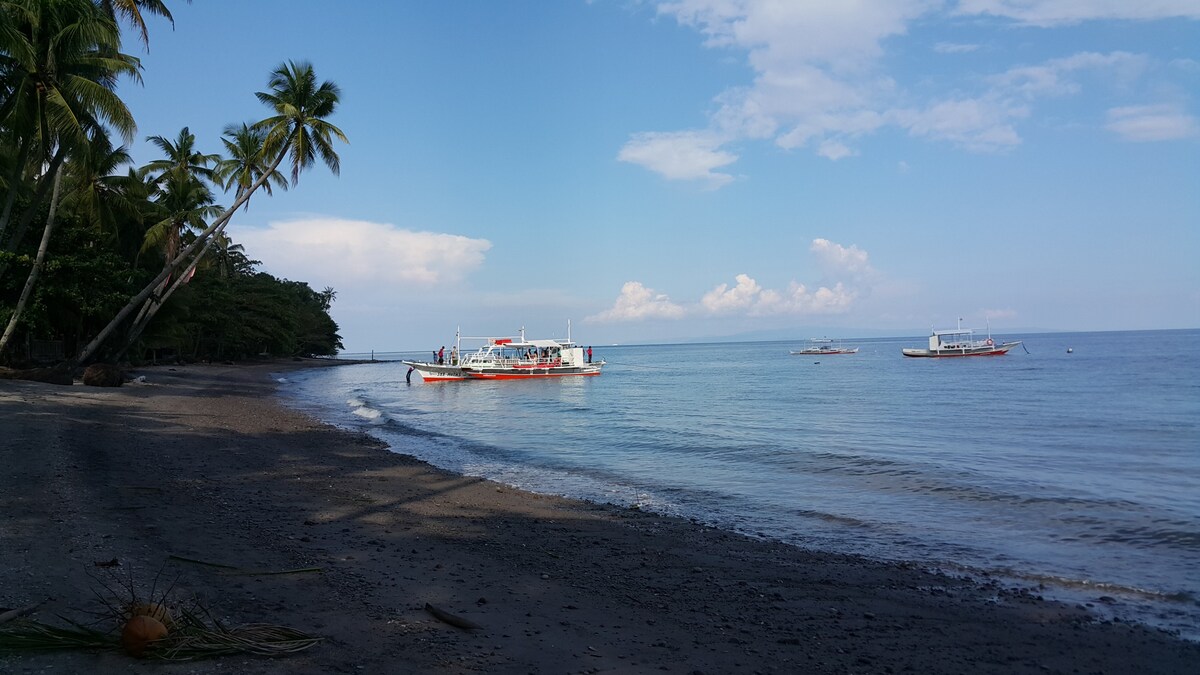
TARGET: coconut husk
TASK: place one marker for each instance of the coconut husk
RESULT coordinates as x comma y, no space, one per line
103,375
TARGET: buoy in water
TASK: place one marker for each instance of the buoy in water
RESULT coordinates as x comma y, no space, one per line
1069,350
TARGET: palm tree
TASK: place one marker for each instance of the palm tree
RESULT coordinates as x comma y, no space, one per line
96,193
297,130
27,290
187,203
59,66
182,159
246,161
59,69
131,10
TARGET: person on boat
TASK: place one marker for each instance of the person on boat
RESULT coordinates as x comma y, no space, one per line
589,353
454,356
442,356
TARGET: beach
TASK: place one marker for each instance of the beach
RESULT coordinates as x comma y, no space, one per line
202,464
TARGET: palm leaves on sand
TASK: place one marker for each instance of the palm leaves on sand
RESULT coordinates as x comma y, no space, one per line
298,131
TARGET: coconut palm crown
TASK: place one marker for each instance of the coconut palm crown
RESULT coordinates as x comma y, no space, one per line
298,126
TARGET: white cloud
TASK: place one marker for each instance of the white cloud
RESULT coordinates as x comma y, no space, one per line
820,79
746,297
842,261
637,302
1152,123
798,300
1052,77
724,299
954,48
356,253
682,155
976,124
834,150
1058,12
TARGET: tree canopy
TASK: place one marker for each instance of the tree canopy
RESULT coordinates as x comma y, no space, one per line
101,259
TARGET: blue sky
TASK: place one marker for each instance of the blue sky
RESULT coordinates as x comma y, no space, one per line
658,171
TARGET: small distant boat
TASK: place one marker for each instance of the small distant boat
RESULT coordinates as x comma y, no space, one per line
961,342
510,358
822,346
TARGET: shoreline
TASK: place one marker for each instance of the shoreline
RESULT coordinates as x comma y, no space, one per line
207,463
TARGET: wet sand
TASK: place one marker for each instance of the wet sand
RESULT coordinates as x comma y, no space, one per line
203,463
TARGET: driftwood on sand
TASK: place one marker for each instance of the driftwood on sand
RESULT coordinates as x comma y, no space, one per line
47,375
452,619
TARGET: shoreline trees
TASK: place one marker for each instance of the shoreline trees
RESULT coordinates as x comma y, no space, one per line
153,234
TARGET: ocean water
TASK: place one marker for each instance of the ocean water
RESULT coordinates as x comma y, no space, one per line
1079,471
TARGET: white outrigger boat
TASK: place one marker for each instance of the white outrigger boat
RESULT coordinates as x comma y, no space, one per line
821,346
510,358
961,342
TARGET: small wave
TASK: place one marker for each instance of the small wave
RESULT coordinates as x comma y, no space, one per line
832,518
363,409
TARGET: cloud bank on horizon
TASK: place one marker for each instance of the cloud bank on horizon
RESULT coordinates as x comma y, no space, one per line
821,81
849,265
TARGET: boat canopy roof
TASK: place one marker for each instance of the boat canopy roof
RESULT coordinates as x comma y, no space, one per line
523,344
956,331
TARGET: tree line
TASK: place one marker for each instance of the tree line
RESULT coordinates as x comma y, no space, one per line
104,260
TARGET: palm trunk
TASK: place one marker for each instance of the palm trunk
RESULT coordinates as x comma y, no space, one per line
183,256
18,169
38,195
37,265
156,301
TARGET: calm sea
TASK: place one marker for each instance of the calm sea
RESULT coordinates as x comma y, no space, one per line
1079,469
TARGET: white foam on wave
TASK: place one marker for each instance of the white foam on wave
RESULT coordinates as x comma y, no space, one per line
364,410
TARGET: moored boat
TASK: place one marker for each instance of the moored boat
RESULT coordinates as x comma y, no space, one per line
510,358
961,342
821,346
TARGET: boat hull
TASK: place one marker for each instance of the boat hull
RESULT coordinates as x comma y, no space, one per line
991,350
822,352
432,372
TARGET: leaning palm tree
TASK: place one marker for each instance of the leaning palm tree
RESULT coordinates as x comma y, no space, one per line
297,130
187,203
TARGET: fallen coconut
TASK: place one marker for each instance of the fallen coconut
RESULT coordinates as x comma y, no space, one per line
139,632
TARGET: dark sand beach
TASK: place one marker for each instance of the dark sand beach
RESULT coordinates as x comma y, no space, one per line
203,463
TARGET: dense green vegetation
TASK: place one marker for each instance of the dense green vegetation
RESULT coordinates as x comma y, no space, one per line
104,260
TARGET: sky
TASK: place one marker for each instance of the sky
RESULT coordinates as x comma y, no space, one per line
715,169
